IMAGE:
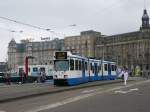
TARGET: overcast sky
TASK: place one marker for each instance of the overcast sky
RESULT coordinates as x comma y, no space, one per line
106,16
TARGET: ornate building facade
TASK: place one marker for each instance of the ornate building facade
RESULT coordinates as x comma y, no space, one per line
128,49
42,52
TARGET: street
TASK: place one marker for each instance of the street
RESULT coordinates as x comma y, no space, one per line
107,98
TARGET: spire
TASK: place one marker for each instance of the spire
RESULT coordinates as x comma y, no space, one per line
12,42
145,20
144,4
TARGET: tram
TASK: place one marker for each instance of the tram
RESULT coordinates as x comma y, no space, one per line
34,69
74,69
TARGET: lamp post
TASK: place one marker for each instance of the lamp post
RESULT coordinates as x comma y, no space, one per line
103,57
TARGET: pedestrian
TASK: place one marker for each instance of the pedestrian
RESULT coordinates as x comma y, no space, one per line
43,76
21,76
7,78
39,76
24,77
122,74
126,74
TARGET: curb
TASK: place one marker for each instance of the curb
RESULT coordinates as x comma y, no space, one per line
58,91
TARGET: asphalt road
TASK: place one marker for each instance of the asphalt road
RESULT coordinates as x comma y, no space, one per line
107,98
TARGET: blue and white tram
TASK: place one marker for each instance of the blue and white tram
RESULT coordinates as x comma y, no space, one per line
33,70
73,69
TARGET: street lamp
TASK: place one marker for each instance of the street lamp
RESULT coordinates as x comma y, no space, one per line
103,57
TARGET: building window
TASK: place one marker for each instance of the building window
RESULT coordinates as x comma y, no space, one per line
147,67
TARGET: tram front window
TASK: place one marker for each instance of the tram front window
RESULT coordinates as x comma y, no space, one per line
61,65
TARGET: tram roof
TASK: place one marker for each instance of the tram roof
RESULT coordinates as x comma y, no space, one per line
83,57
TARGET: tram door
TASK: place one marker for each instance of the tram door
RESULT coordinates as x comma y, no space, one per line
109,70
83,69
95,69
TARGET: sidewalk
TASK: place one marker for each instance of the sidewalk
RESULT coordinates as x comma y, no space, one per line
14,91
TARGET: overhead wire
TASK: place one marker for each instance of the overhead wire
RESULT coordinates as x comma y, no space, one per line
29,25
49,30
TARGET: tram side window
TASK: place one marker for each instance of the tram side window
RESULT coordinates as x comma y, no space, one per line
28,69
42,69
80,65
96,68
76,65
86,66
105,67
113,67
35,69
71,64
91,67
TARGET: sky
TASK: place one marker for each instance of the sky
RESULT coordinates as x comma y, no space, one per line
67,18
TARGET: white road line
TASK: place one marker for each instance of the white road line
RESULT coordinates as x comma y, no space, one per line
120,91
124,92
135,89
77,98
90,90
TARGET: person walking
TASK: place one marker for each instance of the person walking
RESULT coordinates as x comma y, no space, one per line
121,73
39,76
21,76
126,74
24,77
43,76
7,78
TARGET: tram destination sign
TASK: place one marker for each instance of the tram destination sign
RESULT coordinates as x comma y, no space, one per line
61,55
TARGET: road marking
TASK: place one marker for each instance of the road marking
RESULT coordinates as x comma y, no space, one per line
2,111
77,98
90,90
120,91
73,99
128,91
135,89
70,100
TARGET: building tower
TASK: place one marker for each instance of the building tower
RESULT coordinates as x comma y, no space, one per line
145,20
12,46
